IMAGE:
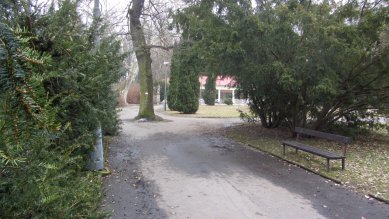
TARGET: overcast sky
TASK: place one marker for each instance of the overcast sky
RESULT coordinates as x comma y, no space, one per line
115,5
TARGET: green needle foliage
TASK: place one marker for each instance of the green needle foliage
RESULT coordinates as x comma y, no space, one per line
209,94
301,63
38,177
184,90
53,92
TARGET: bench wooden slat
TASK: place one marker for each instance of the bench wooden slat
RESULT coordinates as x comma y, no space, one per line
317,151
313,150
328,136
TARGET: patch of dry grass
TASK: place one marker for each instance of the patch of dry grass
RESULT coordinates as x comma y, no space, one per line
367,162
217,111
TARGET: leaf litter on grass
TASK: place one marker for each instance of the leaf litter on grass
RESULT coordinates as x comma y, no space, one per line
367,162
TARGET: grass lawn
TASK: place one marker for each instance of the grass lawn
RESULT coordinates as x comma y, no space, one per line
217,111
367,162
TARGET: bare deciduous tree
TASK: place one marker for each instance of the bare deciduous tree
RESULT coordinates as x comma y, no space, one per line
143,40
142,52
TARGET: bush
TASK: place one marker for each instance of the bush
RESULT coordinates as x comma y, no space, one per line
133,94
209,95
50,105
172,92
184,92
187,99
228,101
40,176
292,78
247,117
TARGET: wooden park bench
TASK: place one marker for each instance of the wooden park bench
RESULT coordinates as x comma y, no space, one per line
320,152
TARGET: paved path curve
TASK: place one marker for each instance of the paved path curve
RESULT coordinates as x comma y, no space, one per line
181,169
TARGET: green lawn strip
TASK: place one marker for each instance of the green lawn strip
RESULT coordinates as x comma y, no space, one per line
217,111
367,163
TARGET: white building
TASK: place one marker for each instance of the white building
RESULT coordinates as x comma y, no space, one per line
225,87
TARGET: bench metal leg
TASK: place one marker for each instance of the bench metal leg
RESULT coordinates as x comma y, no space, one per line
296,150
343,163
328,164
283,149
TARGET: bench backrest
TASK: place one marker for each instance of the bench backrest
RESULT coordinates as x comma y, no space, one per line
328,136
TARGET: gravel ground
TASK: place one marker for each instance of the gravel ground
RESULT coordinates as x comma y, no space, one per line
182,168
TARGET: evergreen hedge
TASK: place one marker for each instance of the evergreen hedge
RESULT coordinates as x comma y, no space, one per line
53,93
184,92
209,94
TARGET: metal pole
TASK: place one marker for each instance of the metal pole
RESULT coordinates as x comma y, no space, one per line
164,93
97,154
97,157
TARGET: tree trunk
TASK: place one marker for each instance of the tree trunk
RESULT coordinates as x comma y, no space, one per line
142,52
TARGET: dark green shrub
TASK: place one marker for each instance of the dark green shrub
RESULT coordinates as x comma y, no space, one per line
228,101
209,94
187,99
247,117
172,92
49,108
294,77
184,89
40,177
